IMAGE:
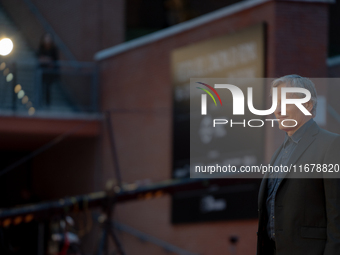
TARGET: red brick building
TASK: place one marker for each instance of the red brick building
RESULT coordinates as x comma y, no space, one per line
135,86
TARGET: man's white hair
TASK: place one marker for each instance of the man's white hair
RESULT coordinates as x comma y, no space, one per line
294,80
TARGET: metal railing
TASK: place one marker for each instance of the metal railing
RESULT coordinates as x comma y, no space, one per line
68,86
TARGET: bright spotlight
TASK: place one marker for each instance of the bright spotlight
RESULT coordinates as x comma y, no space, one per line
6,46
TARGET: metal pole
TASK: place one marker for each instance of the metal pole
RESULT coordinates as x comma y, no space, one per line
113,148
111,202
14,81
41,238
95,89
117,242
102,242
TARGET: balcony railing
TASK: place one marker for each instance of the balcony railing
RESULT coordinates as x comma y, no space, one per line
68,87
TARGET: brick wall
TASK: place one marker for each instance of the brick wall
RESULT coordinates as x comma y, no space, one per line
85,26
139,80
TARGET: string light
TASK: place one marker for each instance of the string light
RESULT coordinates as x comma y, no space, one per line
21,94
17,88
7,222
148,196
17,220
6,71
159,193
9,77
29,218
29,104
31,111
24,100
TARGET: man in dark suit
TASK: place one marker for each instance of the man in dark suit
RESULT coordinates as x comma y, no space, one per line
299,213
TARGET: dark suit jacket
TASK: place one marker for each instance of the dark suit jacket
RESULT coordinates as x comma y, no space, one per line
307,210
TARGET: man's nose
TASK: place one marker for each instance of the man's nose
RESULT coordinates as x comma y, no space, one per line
278,109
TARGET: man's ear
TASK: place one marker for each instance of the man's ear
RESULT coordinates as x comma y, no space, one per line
309,106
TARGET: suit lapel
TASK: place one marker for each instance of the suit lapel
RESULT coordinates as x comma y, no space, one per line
263,185
304,143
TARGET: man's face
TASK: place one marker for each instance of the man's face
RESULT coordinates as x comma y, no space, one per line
292,112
